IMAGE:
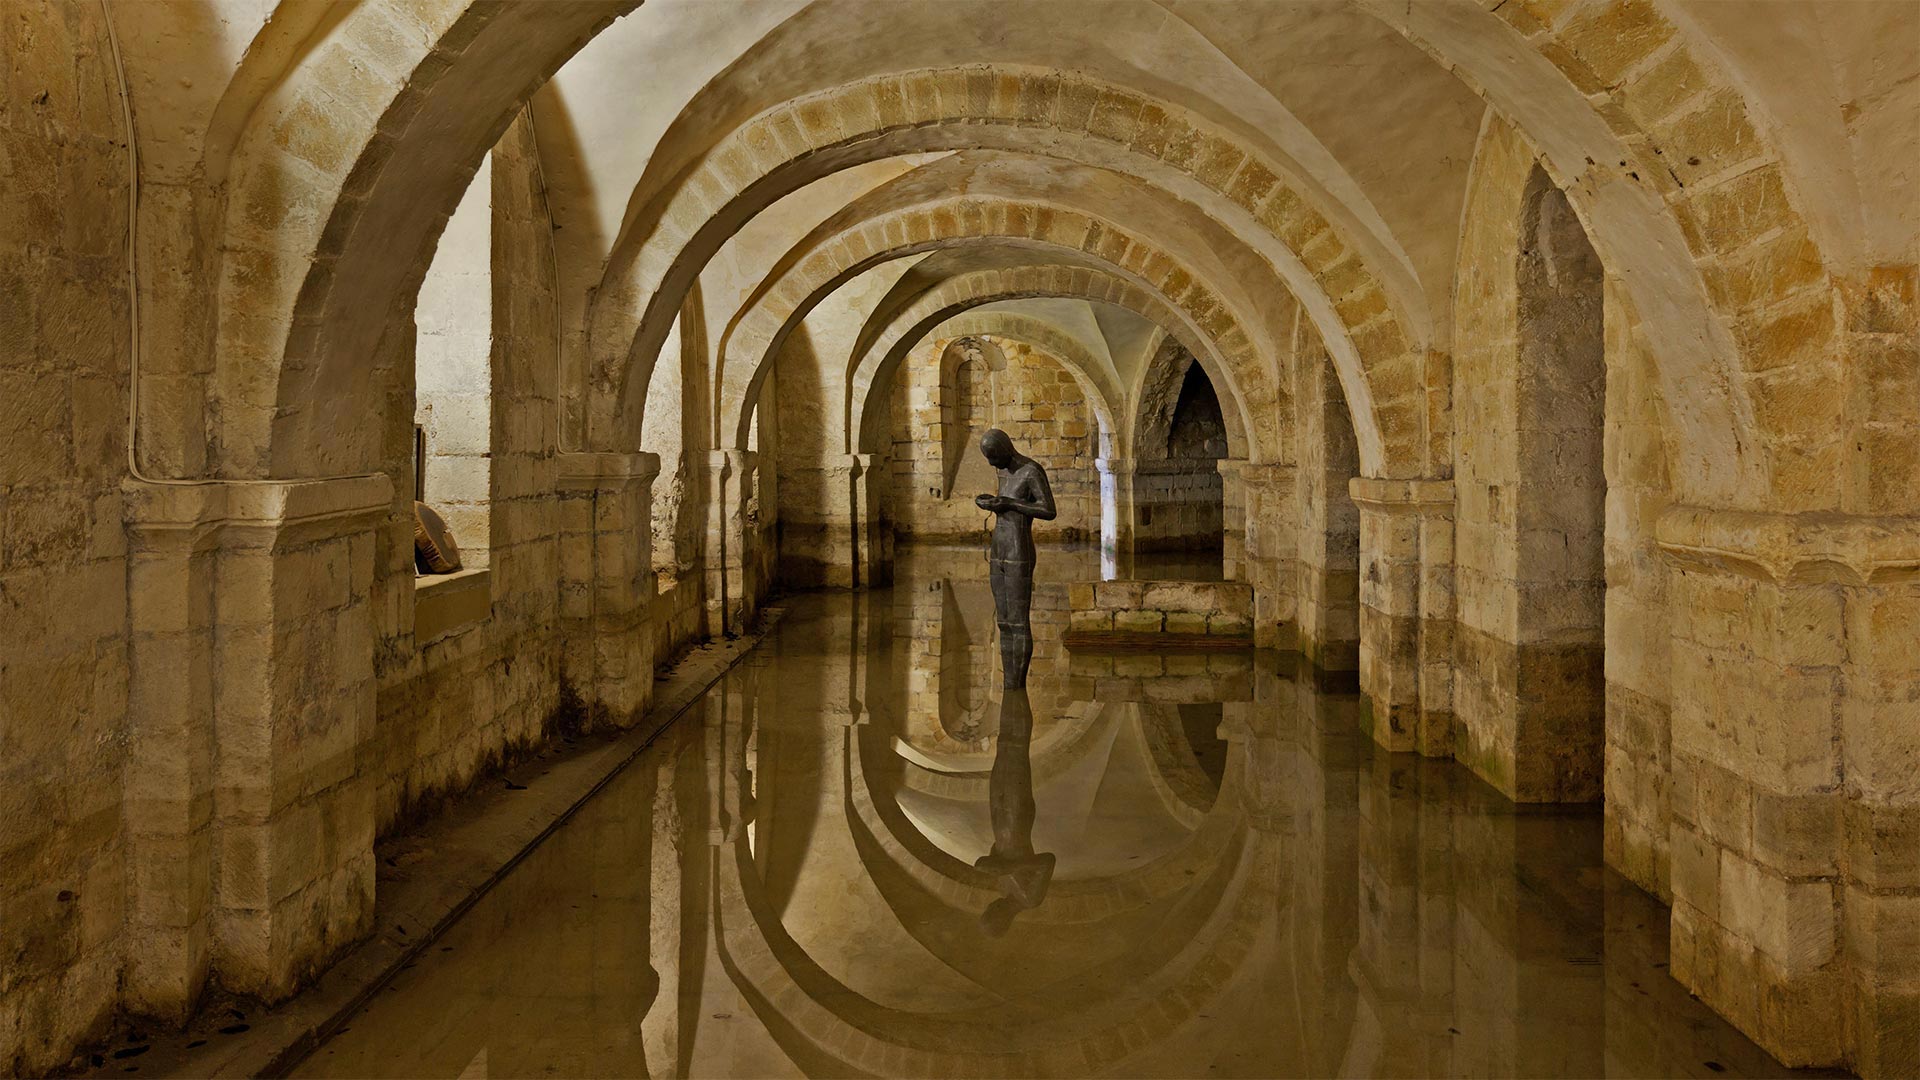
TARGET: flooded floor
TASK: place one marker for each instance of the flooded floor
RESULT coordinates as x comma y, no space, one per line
859,856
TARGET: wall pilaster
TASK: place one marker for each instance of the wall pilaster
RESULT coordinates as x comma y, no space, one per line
1269,543
606,582
1796,797
250,809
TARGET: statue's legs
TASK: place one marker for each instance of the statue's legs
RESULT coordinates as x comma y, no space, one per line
1012,581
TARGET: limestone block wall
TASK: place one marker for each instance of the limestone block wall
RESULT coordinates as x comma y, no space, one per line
64,861
1178,505
942,403
1197,609
1638,623
675,391
1177,488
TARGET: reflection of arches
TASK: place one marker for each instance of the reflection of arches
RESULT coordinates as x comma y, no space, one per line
1204,910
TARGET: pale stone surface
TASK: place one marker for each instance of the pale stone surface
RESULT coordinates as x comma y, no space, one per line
1567,379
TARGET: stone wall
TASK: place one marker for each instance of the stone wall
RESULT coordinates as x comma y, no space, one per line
1178,492
1159,610
946,394
452,707
1638,634
1329,593
64,862
452,371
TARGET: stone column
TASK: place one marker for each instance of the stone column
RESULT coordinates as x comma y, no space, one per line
849,549
731,591
1406,612
1271,552
606,583
1116,515
873,539
250,822
1795,786
1233,520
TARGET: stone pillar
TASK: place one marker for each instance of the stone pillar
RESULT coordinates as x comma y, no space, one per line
250,822
606,583
732,595
873,539
853,547
1406,612
1795,791
1116,516
1270,551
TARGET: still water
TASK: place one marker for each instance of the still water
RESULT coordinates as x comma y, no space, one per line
859,856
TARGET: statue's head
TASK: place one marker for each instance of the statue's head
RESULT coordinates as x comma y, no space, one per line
997,448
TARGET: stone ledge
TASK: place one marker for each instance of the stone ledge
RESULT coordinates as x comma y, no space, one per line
445,604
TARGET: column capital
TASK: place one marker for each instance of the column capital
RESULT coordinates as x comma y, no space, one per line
1113,465
1792,549
1420,495
164,515
603,470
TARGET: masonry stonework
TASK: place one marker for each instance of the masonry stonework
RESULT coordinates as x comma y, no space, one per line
1567,394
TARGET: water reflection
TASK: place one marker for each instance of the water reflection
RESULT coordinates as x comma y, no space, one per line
1021,873
865,858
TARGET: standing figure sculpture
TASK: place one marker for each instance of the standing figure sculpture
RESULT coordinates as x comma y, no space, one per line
1024,495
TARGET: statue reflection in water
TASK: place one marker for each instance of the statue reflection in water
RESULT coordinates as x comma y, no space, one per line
1023,874
1024,495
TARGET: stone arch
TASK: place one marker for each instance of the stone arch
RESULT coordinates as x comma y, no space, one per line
1363,320
957,296
323,231
1048,338
311,231
879,364
1688,205
1190,306
1150,410
1175,504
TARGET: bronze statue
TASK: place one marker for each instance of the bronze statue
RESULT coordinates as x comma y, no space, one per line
1024,495
1021,873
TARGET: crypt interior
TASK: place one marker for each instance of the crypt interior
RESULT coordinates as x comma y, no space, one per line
490,580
